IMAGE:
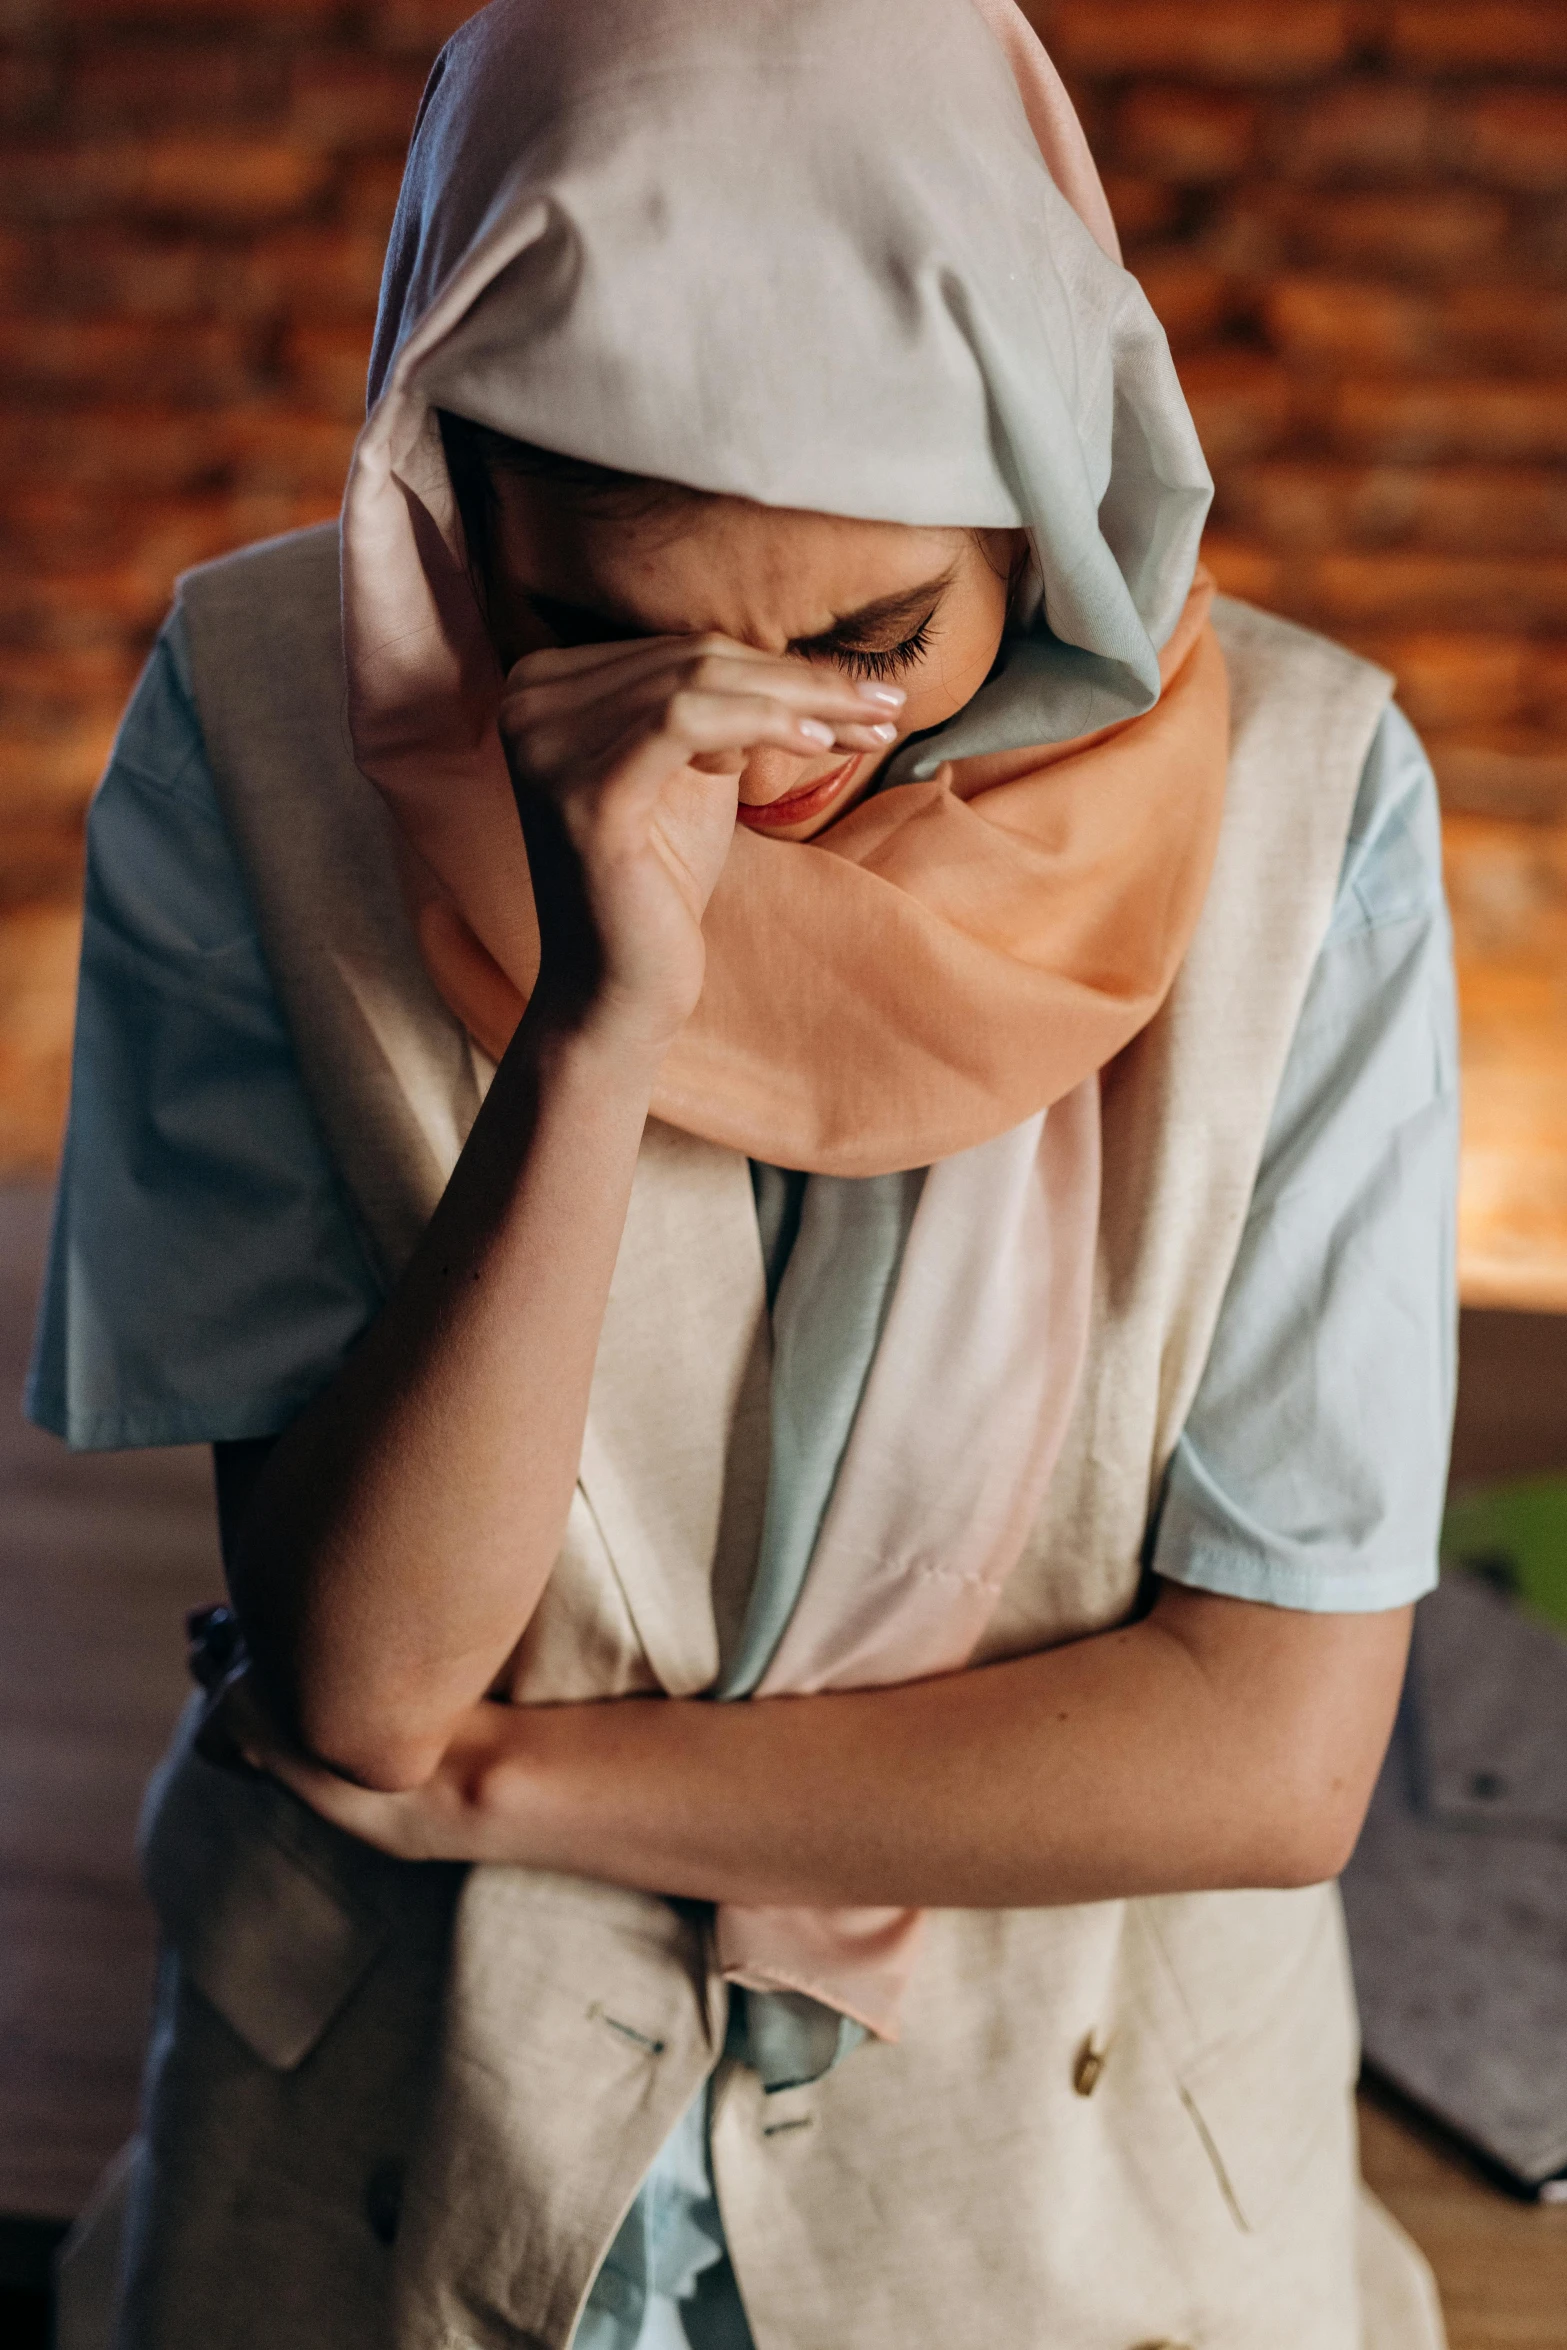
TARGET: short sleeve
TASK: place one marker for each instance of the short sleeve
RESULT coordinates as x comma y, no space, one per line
1313,1465
205,1277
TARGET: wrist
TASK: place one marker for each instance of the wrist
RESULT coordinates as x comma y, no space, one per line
519,1802
603,1053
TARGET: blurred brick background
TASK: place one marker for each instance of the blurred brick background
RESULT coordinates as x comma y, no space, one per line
1351,214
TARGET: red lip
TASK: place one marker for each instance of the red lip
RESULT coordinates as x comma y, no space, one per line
777,815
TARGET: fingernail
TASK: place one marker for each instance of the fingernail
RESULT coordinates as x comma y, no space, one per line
814,732
883,734
886,697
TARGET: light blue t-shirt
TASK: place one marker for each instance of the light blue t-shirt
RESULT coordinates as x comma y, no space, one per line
206,1280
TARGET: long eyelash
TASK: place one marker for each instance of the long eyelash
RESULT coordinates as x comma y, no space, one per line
864,661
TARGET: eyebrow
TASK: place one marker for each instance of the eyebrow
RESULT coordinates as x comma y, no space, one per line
580,624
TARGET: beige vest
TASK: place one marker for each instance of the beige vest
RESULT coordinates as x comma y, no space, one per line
975,2185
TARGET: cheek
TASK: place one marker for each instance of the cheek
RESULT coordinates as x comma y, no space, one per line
951,673
964,644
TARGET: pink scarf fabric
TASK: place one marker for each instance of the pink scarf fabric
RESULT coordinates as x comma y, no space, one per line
938,1489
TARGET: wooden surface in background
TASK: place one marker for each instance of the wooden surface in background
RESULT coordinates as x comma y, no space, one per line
99,1560
1501,2265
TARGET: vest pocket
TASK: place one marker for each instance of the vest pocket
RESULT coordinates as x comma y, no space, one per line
1253,2005
261,1908
1262,2109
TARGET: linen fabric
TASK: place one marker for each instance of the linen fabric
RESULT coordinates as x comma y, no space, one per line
686,241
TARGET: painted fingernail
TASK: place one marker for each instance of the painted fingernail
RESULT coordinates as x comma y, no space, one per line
883,734
814,732
886,697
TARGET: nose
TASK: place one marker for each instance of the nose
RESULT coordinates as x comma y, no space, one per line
771,774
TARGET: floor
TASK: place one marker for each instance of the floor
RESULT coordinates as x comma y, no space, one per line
99,1559
1501,2264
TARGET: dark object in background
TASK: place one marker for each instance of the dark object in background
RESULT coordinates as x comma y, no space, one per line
27,2249
1457,1893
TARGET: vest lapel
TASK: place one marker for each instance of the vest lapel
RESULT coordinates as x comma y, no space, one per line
674,1459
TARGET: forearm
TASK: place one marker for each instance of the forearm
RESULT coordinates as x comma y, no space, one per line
1195,1749
403,1528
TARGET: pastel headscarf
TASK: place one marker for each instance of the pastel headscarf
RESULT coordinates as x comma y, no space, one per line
815,253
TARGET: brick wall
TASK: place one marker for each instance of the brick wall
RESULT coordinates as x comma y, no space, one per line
1352,215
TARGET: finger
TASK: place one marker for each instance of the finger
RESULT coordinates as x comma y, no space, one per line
554,663
583,746
694,725
683,664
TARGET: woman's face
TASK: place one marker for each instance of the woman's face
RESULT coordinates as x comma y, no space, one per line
921,608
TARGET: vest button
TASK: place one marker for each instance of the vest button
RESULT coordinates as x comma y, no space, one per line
1086,2074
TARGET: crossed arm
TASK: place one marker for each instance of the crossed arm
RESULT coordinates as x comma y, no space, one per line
1215,1743
386,1554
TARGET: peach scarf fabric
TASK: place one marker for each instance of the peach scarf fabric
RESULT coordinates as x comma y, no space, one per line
944,961
710,240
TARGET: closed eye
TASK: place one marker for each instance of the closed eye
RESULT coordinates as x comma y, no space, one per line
883,660
574,624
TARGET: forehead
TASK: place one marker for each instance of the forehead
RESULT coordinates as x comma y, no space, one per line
695,562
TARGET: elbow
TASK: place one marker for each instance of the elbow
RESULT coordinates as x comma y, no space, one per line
1295,1713
380,1770
1316,1852
1313,1829
382,1748
373,1739
381,1757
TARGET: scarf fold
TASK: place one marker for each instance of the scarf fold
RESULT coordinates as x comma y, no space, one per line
846,256
938,1484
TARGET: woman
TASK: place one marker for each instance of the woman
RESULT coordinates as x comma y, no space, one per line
963,1180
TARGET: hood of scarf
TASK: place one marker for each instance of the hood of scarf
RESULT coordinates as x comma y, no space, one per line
707,240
